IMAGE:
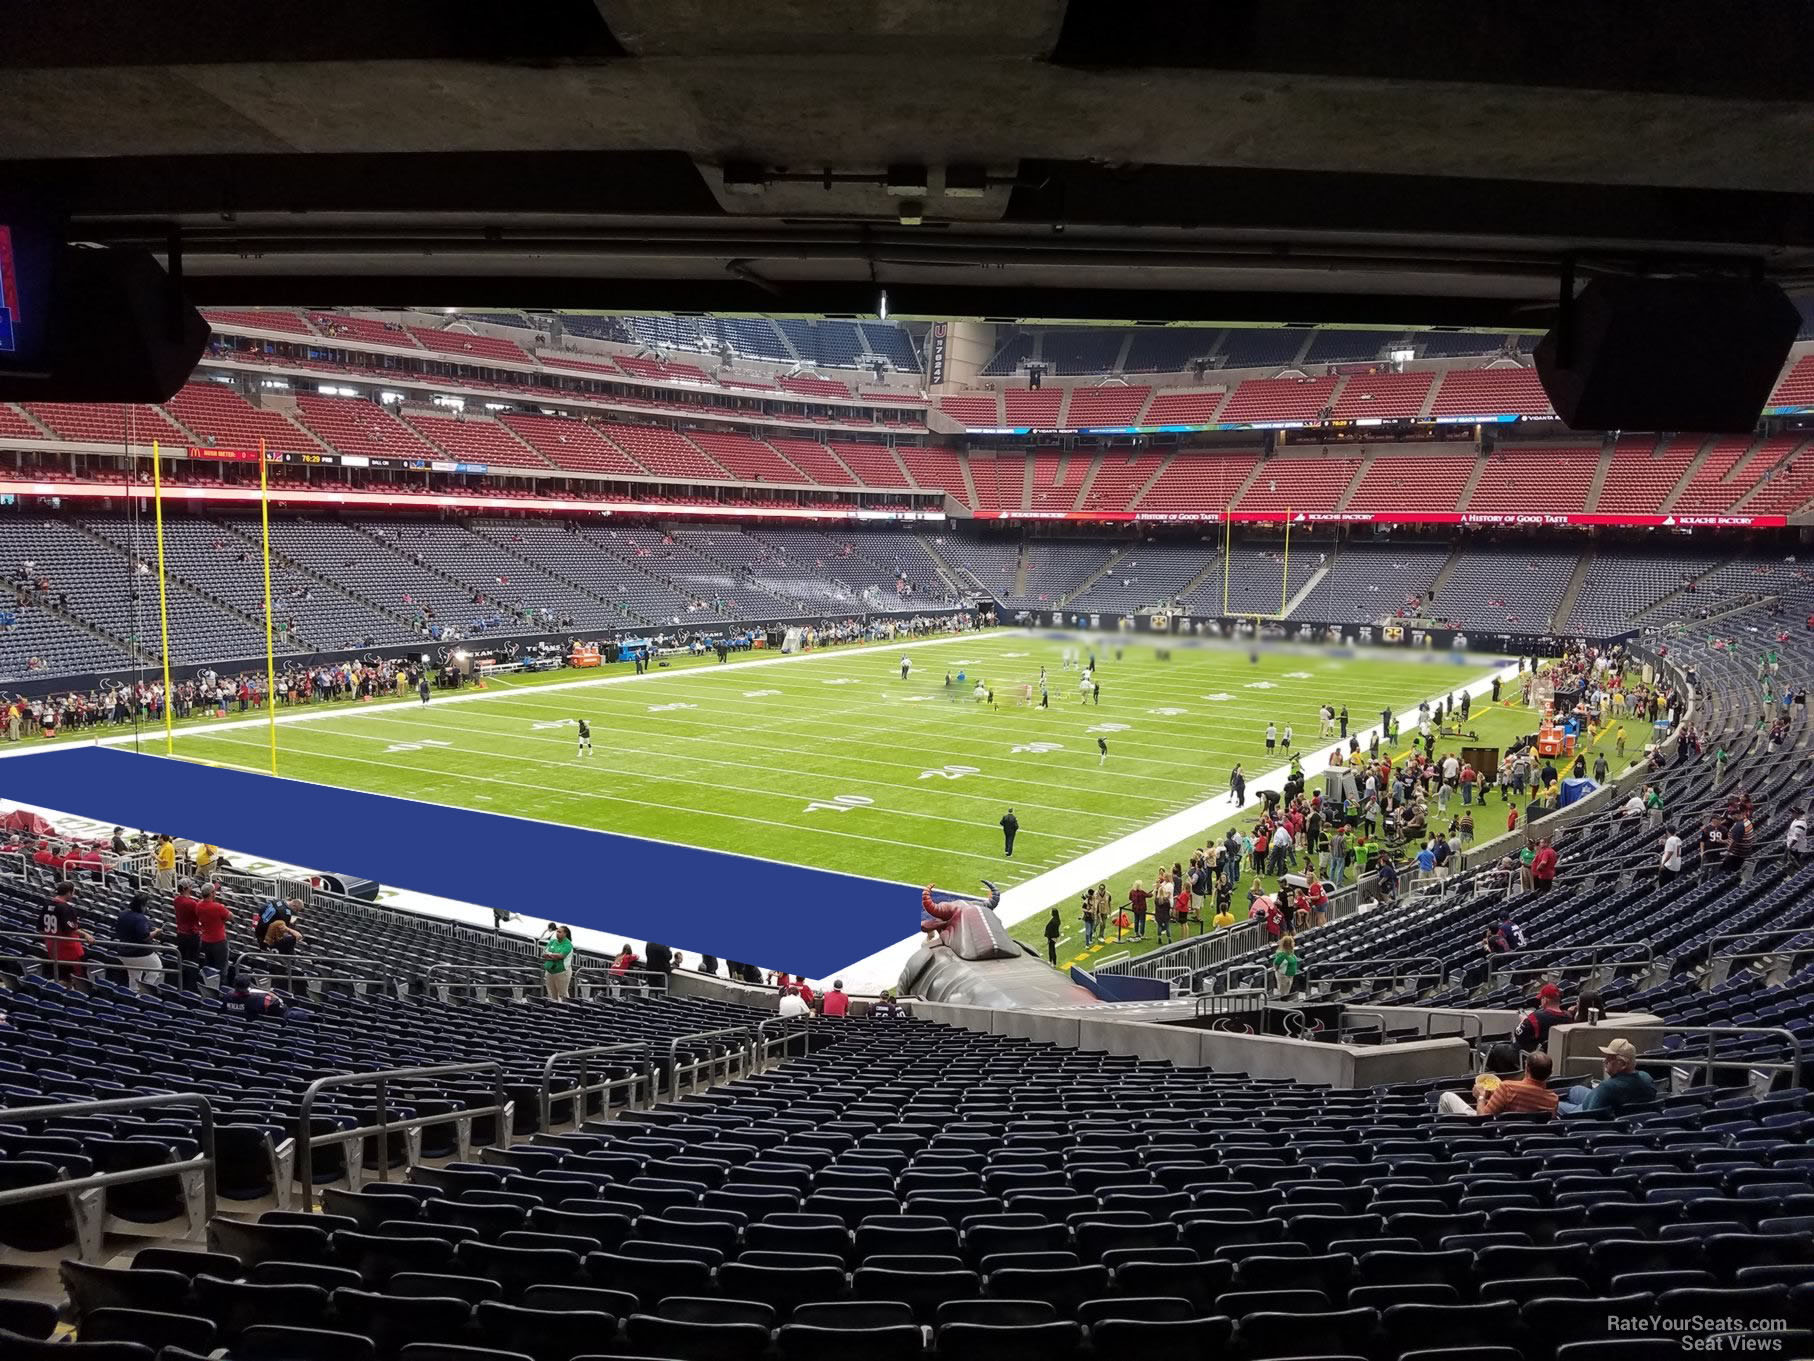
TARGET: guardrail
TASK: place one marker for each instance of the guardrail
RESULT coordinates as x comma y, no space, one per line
381,1079
1647,955
1714,1034
1371,971
1203,953
528,977
585,1087
1427,1022
306,968
150,947
1712,943
86,1211
1229,1003
710,1062
791,1027
266,886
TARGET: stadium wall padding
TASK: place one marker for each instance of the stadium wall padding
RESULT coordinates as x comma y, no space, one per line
762,912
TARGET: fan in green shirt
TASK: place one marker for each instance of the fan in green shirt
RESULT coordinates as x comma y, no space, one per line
557,963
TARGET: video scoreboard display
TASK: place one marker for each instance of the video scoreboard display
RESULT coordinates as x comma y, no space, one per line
9,290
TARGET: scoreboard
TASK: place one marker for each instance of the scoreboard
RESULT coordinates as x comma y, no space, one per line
323,460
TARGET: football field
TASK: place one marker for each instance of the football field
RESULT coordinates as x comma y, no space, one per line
833,760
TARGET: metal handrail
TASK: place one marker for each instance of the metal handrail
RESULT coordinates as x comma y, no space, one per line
678,1040
1649,950
1713,1033
1788,932
1427,1020
1375,969
800,1026
299,965
203,1162
1226,1003
549,1096
381,1078
115,946
1204,952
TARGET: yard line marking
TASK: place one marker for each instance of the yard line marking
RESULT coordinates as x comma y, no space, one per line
569,764
468,777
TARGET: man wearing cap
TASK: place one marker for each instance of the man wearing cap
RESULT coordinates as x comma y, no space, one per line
1533,1030
1623,1086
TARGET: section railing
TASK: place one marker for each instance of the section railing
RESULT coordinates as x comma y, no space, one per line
382,1080
87,1208
643,1079
743,1055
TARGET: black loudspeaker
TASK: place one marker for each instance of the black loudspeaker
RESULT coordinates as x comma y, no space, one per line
351,886
1696,355
115,328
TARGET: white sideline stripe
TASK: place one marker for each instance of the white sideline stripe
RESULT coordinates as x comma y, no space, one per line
154,732
1056,886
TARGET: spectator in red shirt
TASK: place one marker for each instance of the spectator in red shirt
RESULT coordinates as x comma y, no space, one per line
836,1003
188,934
46,857
1543,867
211,919
64,937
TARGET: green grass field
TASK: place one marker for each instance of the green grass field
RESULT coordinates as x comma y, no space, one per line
831,760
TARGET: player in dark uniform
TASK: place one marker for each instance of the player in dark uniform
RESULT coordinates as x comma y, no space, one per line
1102,750
585,738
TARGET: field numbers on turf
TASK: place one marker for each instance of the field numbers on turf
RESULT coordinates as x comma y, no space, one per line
1297,675
1261,685
842,680
669,708
416,746
915,699
1108,727
1219,696
949,773
1037,748
759,694
1168,713
1013,654
557,723
841,803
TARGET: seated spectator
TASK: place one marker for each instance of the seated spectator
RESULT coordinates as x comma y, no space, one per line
835,1002
1533,1030
886,1007
793,1004
1529,1092
259,1002
1623,1087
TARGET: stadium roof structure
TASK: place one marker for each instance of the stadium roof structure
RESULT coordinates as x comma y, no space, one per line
1252,160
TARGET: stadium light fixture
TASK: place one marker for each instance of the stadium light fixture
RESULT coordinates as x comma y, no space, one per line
882,305
390,398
